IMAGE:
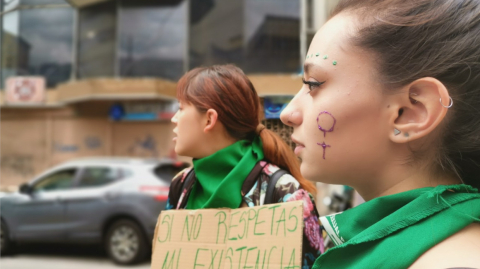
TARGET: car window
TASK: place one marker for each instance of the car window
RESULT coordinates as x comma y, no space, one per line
166,172
56,181
99,176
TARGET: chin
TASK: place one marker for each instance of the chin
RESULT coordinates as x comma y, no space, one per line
183,152
308,173
179,150
315,175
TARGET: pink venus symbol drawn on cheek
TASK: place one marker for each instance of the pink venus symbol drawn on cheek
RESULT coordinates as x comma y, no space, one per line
324,146
324,130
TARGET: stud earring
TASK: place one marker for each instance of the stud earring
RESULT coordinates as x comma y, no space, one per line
396,131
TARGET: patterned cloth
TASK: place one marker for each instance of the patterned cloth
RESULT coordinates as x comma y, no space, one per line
287,189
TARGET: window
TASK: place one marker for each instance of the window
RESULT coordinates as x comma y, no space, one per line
272,36
152,38
59,180
37,39
96,40
99,176
166,172
257,35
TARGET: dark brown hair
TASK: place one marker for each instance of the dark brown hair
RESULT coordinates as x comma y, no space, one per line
430,38
227,90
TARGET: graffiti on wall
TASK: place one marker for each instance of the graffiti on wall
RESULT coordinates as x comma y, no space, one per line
89,143
92,142
144,147
59,147
18,164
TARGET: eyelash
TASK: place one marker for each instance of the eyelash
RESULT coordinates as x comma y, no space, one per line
312,84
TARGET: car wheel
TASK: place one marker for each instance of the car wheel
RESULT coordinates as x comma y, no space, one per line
125,242
5,243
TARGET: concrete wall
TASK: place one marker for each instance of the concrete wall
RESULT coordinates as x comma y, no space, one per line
34,140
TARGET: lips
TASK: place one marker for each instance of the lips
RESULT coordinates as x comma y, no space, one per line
297,142
299,146
175,137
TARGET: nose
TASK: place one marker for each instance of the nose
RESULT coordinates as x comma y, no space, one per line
291,115
174,118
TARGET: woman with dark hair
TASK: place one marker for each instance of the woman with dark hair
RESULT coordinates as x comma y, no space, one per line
391,107
236,161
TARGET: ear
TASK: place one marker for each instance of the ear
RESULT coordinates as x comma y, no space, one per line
211,117
418,109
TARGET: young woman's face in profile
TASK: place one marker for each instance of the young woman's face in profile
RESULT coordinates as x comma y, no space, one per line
340,119
188,130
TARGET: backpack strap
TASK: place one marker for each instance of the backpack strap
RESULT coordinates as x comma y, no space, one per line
186,185
252,177
271,186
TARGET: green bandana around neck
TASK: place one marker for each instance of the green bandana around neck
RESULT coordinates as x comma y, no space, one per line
393,231
220,176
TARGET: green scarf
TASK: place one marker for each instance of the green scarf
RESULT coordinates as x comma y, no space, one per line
220,176
393,231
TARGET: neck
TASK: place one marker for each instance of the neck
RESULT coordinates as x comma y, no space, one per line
398,179
215,143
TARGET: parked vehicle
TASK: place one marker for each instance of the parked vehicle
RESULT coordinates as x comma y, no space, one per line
112,201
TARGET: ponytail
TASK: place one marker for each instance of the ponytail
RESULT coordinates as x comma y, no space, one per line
279,153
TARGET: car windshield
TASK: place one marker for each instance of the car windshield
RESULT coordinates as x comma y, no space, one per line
166,172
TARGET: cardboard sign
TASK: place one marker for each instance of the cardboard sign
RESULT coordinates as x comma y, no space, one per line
253,237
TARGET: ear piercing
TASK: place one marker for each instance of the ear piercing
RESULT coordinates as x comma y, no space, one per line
397,132
450,104
413,100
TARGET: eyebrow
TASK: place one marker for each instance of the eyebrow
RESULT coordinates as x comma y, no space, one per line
309,66
306,66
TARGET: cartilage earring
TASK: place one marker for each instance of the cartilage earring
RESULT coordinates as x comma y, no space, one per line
413,100
450,103
396,131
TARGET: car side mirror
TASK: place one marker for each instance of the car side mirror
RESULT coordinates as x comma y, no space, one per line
26,189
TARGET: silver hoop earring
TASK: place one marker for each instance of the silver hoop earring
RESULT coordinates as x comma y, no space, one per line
450,103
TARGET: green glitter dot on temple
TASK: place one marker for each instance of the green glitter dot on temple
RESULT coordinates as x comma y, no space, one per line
334,62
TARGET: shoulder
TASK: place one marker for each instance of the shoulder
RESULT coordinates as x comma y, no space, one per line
285,180
459,250
178,179
181,175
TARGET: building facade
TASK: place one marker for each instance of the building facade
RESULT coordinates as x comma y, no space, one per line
110,66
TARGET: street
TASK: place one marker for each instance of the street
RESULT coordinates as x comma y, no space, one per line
61,257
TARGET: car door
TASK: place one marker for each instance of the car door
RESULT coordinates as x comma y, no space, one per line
40,215
90,202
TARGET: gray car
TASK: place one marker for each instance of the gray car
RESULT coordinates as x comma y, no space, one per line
113,201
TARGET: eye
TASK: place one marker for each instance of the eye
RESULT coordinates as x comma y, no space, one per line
312,85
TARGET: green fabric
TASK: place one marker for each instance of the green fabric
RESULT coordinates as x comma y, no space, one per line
393,231
220,176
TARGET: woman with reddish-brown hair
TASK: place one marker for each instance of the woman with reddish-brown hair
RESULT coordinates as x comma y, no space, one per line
236,161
